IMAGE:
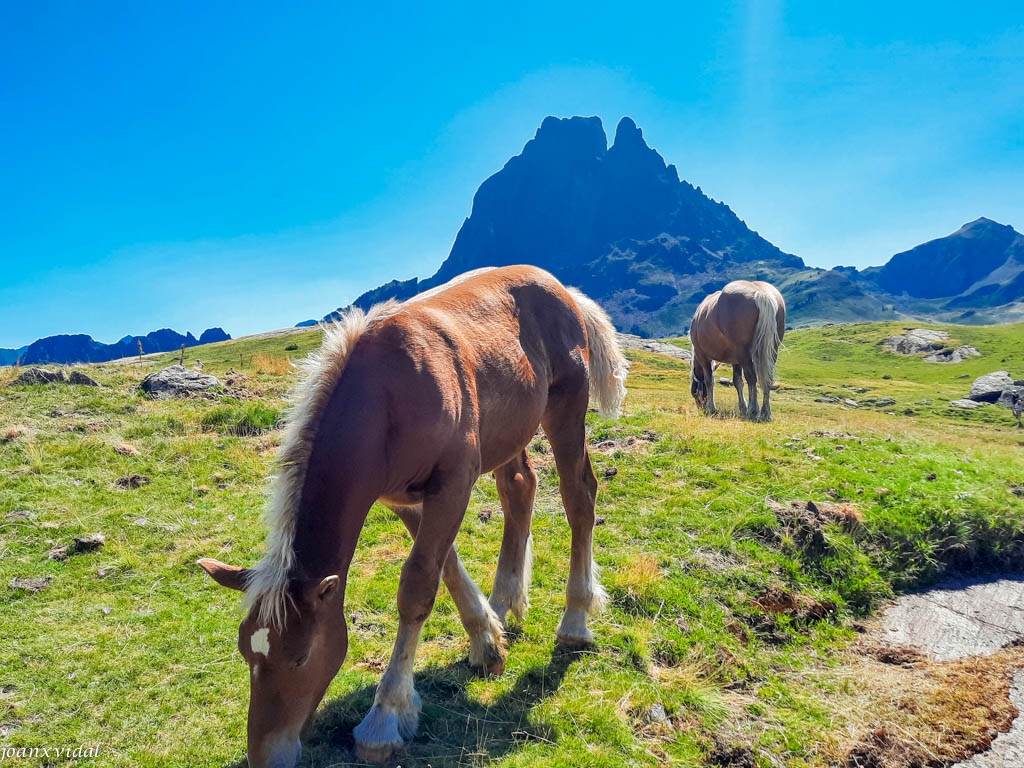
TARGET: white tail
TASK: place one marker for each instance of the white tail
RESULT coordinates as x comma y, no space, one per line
608,366
765,350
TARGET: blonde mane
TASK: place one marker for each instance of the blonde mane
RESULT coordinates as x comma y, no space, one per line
267,581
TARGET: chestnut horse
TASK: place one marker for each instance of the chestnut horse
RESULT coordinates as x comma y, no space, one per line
408,404
743,325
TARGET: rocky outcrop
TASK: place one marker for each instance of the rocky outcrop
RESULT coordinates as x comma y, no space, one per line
40,376
630,341
990,387
957,355
43,376
177,381
917,340
616,221
80,379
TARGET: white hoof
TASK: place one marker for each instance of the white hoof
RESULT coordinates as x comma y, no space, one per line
385,730
573,631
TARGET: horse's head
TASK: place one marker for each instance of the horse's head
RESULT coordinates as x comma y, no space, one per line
698,388
291,662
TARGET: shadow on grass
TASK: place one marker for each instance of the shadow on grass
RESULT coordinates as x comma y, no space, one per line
454,729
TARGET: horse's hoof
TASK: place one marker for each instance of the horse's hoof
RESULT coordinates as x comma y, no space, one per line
574,641
384,731
491,663
487,650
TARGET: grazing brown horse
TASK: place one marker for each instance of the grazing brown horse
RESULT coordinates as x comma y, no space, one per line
742,325
408,404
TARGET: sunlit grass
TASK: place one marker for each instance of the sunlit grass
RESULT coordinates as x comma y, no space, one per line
132,648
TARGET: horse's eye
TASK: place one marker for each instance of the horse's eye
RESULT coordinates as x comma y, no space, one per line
301,660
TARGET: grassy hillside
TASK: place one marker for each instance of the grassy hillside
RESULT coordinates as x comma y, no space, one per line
731,635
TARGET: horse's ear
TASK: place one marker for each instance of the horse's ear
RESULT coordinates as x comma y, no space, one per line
327,586
230,576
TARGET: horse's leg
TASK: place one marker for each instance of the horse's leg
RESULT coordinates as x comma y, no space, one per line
517,486
737,381
766,406
752,409
396,707
709,380
487,644
564,425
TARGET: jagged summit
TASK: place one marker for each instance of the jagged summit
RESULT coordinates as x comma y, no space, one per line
615,220
618,222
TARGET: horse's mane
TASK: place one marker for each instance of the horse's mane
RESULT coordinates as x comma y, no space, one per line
267,582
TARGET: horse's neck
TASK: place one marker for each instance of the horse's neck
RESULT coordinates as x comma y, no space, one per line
345,474
327,532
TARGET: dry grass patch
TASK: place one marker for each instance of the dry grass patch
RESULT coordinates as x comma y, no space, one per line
903,711
12,433
278,366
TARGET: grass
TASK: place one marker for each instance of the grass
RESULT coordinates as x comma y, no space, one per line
699,661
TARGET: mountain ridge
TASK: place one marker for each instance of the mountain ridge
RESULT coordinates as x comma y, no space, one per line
618,222
81,348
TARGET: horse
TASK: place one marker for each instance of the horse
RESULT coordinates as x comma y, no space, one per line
743,325
408,404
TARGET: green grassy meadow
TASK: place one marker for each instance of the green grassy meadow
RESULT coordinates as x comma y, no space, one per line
131,648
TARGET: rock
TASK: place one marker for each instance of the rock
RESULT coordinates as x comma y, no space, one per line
630,341
132,481
968,404
957,355
656,714
90,543
915,341
989,388
59,553
40,376
851,403
725,382
1006,398
177,381
31,585
80,379
884,401
826,399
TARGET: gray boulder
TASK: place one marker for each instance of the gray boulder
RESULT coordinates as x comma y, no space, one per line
990,387
177,381
40,376
916,340
957,355
970,405
1006,398
79,378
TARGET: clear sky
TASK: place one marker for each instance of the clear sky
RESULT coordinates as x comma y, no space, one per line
251,165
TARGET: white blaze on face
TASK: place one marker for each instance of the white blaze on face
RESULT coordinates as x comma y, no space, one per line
260,641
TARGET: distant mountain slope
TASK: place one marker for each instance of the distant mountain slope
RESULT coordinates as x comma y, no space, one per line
80,348
615,221
619,223
980,256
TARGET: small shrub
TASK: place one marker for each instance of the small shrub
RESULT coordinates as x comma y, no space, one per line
293,347
243,420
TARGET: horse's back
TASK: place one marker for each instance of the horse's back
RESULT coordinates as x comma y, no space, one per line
478,356
725,323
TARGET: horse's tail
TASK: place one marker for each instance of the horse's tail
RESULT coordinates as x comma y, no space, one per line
765,348
608,366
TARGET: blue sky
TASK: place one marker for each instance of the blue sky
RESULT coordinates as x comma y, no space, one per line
252,165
